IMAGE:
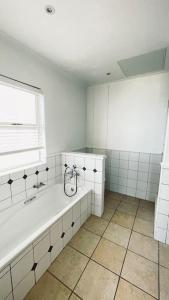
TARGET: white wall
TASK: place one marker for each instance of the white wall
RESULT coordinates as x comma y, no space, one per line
65,99
129,114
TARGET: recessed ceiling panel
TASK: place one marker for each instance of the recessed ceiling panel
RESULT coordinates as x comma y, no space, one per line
149,62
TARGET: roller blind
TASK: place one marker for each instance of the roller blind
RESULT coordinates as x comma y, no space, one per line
22,131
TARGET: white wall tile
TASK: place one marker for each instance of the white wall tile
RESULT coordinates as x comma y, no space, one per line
5,191
163,207
123,164
160,234
18,186
124,155
89,163
134,156
164,191
162,221
115,163
123,173
132,183
165,176
132,174
144,157
133,165
142,176
143,167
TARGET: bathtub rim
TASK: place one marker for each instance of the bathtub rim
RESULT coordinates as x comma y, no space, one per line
6,260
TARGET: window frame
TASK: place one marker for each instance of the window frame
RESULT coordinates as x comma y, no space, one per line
39,125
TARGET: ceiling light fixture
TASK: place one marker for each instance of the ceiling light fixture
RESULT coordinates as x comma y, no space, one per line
50,10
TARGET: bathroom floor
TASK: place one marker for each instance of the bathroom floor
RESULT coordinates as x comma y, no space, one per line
113,257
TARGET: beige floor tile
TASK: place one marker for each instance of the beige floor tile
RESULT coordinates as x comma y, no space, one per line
111,203
96,225
131,200
144,227
141,272
73,297
68,266
127,291
147,204
109,255
123,219
164,283
96,283
144,246
117,234
114,195
128,208
164,255
146,214
108,213
48,288
85,241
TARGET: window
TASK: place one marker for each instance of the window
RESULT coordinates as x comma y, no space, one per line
22,131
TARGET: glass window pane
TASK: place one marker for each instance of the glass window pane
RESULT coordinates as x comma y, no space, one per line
16,105
18,160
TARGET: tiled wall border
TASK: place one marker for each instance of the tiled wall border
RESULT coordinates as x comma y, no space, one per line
132,173
17,187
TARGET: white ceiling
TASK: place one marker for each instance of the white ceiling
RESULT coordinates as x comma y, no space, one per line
88,37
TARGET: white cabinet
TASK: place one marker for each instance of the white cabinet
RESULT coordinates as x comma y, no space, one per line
57,248
5,283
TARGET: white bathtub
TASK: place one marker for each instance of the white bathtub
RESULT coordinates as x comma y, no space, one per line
32,219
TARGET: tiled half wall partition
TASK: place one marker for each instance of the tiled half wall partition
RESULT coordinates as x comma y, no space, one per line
91,168
132,173
15,188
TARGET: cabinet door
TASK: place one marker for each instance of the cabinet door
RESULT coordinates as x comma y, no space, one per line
24,286
5,284
67,237
21,268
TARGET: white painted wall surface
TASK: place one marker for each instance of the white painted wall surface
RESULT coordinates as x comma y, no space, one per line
129,114
65,99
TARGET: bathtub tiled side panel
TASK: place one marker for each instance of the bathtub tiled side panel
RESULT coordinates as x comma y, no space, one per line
24,271
17,187
91,169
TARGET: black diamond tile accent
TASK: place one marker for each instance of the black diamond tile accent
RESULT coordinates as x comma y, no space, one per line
25,176
47,169
50,249
63,234
65,165
34,267
10,181
37,172
94,170
84,169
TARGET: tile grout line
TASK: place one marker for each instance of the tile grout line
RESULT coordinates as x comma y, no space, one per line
93,252
90,258
126,251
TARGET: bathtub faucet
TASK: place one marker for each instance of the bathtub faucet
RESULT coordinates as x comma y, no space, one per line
38,186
